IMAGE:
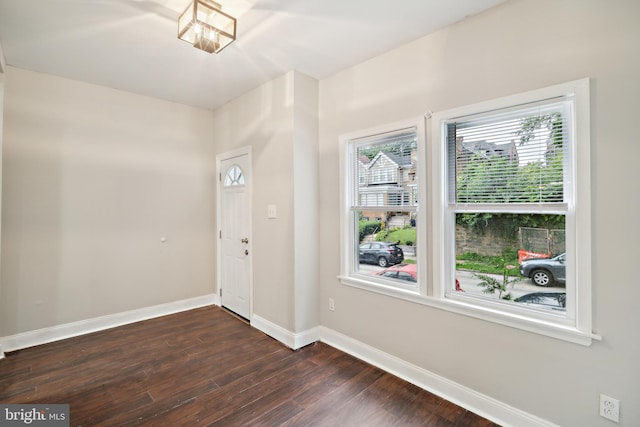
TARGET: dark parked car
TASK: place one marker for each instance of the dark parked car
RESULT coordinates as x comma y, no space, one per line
555,300
544,271
381,253
406,272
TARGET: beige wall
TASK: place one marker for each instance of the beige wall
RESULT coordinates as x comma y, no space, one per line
278,121
519,46
305,198
93,179
2,71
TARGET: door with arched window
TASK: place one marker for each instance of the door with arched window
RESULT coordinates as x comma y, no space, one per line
234,213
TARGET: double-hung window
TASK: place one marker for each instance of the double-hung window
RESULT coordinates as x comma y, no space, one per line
506,179
516,171
381,203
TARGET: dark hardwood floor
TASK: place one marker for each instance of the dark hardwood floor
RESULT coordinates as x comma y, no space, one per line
205,367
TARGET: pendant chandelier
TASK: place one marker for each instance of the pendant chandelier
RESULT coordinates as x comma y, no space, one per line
206,26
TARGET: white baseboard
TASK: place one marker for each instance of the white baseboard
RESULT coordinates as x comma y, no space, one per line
465,397
288,338
68,330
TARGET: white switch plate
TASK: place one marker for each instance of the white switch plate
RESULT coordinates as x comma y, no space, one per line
272,212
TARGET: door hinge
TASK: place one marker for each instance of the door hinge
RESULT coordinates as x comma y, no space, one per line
220,176
220,234
220,291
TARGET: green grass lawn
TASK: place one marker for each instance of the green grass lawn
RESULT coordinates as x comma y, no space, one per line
488,264
405,236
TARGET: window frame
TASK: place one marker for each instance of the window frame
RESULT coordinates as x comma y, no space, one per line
350,181
576,325
436,244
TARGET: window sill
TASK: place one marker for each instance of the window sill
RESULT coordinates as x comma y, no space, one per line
361,282
518,321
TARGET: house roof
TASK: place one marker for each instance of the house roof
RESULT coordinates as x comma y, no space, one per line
401,161
489,149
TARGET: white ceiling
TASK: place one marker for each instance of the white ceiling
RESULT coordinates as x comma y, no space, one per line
132,44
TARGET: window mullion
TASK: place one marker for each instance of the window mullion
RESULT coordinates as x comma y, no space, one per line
401,208
549,208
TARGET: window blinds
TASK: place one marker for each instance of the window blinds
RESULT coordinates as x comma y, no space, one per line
508,157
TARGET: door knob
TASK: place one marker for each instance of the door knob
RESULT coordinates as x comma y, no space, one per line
245,240
246,251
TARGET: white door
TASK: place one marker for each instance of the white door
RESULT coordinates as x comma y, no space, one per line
235,241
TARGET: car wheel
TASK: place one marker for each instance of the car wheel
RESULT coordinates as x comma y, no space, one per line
382,262
541,278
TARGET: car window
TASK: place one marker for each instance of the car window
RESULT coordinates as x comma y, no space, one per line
562,300
548,301
406,276
393,274
557,300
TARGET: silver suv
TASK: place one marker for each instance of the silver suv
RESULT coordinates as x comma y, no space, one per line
545,271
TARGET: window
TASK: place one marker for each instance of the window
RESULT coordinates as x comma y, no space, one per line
514,174
381,207
508,182
508,171
234,177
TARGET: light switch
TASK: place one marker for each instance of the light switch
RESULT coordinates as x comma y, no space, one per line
272,212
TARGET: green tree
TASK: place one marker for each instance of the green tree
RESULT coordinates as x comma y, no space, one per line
499,179
529,126
400,148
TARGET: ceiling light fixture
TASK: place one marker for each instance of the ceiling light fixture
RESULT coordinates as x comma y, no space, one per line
206,26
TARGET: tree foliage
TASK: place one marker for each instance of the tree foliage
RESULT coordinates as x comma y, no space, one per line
502,180
553,123
399,148
492,285
368,227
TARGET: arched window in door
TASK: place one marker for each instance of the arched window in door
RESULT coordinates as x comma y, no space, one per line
234,176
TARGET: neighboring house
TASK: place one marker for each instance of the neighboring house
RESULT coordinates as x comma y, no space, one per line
363,163
387,179
465,150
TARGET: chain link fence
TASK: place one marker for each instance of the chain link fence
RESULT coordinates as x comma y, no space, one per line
542,240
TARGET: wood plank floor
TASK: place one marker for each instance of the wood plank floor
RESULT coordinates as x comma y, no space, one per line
205,367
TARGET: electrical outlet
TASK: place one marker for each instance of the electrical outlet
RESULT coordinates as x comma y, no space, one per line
332,304
609,408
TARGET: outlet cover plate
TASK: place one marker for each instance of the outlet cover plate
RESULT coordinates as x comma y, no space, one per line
609,408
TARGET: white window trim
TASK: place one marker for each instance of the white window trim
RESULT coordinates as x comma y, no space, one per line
348,275
576,326
434,243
